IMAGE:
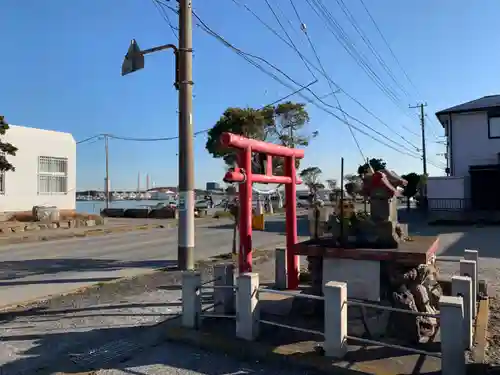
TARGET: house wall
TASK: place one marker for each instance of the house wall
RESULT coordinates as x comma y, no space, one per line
447,193
470,144
21,187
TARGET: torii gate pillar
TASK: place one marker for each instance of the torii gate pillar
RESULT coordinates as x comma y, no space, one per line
244,176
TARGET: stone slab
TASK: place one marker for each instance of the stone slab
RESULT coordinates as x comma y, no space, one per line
362,276
420,250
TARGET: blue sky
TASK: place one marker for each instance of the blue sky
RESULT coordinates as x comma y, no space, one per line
62,59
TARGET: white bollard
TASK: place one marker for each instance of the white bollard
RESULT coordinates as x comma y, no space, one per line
224,295
462,286
469,268
452,348
335,319
280,268
247,306
473,255
191,300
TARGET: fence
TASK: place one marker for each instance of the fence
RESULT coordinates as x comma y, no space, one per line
457,310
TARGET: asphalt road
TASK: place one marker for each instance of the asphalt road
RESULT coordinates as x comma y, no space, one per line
37,270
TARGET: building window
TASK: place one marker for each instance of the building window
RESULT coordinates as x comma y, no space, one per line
52,175
494,127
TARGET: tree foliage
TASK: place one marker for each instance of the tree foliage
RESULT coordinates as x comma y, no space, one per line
413,185
376,164
5,148
353,185
331,183
281,124
311,178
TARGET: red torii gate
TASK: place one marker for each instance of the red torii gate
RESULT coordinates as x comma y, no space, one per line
244,176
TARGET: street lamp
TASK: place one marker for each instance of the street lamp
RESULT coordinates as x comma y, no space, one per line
134,60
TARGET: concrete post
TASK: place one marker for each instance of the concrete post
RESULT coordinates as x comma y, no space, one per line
473,255
224,295
335,319
280,269
452,348
469,268
462,286
191,300
247,306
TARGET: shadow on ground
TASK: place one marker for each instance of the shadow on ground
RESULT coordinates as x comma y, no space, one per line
12,270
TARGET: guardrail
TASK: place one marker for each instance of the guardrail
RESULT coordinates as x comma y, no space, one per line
458,310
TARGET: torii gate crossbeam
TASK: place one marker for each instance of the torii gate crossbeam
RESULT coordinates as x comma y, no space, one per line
244,176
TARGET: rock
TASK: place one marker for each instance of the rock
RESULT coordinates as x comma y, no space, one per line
64,224
18,228
90,223
31,227
99,220
43,213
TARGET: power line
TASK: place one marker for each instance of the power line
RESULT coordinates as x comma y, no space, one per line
317,69
164,14
371,47
288,36
245,55
388,46
133,139
304,29
248,56
335,28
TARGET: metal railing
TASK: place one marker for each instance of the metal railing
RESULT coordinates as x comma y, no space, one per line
448,204
295,295
454,311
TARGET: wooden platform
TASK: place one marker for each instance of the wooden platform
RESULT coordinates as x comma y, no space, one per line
417,251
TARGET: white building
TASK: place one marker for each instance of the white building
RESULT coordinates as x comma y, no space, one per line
473,151
45,172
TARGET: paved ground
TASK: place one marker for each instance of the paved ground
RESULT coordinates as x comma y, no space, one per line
83,331
36,270
175,359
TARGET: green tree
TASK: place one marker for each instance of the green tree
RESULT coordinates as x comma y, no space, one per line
376,164
353,185
282,124
5,148
413,184
332,183
311,178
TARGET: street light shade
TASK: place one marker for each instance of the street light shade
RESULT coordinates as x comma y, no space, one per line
134,59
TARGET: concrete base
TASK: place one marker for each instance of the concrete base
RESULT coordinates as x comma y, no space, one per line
362,276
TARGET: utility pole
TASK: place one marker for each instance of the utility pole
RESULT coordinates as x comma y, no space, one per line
106,187
422,127
185,252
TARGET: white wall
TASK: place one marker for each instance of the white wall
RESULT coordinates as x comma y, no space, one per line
470,143
21,186
447,192
446,187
